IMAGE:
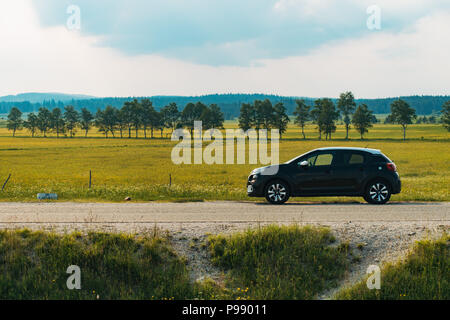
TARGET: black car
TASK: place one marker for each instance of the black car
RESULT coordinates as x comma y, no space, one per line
328,172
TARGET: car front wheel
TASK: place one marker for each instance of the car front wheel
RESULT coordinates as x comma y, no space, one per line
277,192
378,192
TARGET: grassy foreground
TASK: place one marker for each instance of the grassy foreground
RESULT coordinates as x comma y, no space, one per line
273,262
287,263
140,168
424,275
113,266
277,263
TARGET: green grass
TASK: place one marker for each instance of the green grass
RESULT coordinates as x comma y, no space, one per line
113,266
424,275
140,168
288,262
274,262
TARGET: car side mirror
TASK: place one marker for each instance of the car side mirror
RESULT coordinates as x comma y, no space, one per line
304,164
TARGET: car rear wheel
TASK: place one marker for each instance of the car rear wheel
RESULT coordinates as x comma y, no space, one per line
277,192
378,192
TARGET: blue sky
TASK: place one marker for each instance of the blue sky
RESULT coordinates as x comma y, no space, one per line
229,32
289,47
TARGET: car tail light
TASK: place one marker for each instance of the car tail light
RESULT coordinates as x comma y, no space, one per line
391,167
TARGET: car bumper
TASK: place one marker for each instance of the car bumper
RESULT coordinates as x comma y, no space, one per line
255,187
397,187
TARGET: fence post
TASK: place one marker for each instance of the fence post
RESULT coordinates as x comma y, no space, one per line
6,181
90,178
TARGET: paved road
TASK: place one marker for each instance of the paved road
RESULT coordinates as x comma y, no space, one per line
219,212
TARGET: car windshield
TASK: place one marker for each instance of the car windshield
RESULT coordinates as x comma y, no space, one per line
297,157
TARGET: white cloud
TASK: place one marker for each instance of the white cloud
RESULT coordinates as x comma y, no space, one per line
55,59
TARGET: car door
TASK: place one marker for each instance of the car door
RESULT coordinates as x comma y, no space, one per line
349,171
317,177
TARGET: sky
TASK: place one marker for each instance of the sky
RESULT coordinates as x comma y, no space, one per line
314,48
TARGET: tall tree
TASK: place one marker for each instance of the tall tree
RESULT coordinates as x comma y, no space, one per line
206,119
259,115
15,121
302,115
280,120
148,116
86,119
57,121
315,115
346,105
362,119
100,122
127,114
267,114
106,120
32,123
188,116
446,115
71,117
136,115
192,112
156,120
402,114
216,117
171,116
247,116
160,122
122,121
44,118
325,115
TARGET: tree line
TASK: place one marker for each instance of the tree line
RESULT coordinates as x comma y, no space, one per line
324,113
127,121
228,103
137,115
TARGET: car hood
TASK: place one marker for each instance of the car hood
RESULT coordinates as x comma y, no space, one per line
269,170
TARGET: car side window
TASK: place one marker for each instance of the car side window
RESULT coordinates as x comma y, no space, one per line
353,159
311,160
322,159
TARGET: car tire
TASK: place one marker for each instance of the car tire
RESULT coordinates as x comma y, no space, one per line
378,192
277,192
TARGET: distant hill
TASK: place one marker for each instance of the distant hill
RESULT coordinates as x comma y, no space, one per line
36,97
229,103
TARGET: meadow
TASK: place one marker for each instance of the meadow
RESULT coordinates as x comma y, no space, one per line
140,168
